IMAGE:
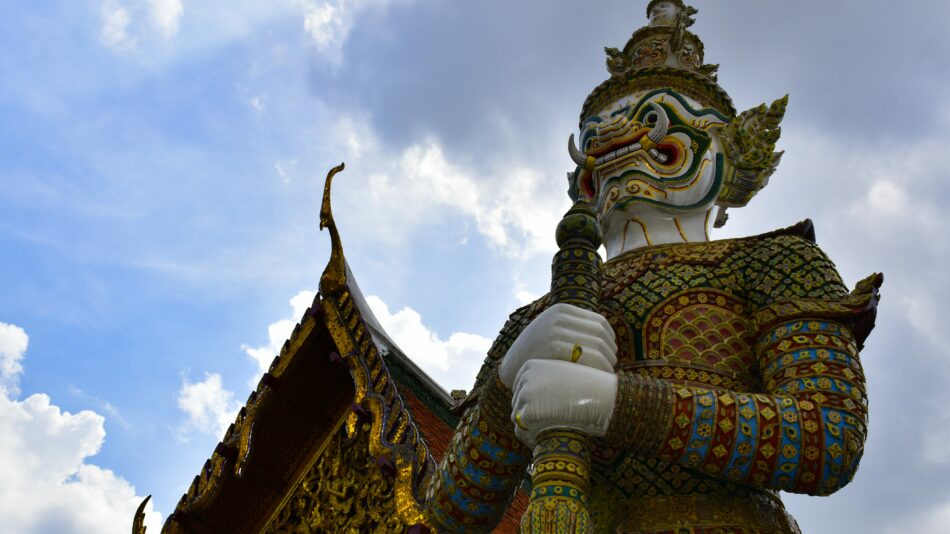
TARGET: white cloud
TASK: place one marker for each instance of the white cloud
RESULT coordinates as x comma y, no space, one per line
328,23
13,343
114,414
124,24
278,332
927,317
452,363
210,408
887,198
935,519
935,450
512,208
902,193
166,16
47,484
283,169
114,31
257,103
525,297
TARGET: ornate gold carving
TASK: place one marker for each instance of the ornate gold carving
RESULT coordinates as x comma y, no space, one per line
689,57
659,56
343,491
650,54
617,62
206,483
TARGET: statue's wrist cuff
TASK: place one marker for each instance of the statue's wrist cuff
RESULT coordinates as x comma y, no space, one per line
641,418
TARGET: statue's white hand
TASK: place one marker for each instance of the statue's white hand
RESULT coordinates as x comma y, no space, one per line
554,334
554,394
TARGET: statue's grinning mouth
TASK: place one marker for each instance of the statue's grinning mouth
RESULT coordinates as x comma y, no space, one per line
623,151
649,141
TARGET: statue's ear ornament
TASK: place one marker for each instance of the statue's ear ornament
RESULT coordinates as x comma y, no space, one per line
580,185
749,143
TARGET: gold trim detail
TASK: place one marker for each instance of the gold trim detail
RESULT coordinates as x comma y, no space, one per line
706,223
643,227
679,229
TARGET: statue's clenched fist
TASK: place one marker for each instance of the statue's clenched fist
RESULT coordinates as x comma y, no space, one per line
562,332
554,394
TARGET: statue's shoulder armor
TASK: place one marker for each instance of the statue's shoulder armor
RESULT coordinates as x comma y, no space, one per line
804,229
787,265
787,277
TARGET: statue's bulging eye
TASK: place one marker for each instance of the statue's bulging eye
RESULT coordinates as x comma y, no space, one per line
650,118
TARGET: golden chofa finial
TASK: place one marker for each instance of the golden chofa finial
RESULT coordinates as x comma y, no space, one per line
333,279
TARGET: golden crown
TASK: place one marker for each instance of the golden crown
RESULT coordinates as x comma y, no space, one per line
662,54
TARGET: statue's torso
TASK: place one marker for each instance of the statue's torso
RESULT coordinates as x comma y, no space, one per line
683,313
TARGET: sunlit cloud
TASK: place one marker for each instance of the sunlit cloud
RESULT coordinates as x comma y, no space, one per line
48,483
452,362
166,16
114,32
209,407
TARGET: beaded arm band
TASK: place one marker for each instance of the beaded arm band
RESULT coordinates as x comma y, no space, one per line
805,436
642,414
482,468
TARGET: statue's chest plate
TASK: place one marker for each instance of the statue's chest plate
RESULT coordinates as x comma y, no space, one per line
680,314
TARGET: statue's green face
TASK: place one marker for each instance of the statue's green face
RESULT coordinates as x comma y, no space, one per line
656,149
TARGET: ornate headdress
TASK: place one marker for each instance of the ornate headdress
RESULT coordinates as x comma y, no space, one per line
664,54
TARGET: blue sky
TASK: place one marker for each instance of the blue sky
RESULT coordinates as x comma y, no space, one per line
161,164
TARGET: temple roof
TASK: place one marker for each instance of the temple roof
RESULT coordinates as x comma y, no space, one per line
338,371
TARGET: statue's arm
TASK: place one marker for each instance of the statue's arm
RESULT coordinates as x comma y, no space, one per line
805,431
485,463
804,435
482,467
